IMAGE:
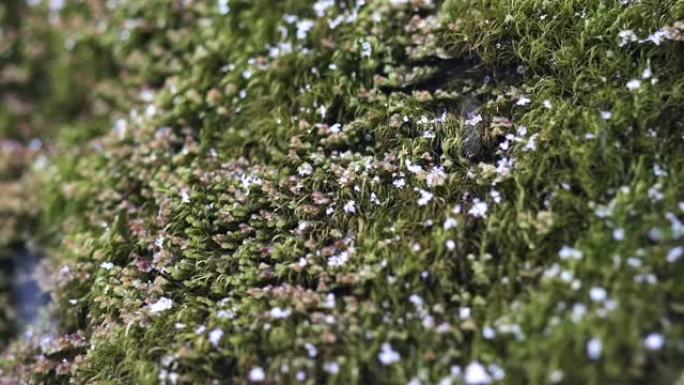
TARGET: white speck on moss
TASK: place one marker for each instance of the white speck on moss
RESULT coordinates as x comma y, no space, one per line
523,101
350,207
606,115
387,355
331,367
161,305
674,254
647,73
450,223
366,49
556,376
185,197
654,341
106,265
657,37
488,333
567,252
311,350
436,177
425,197
627,36
598,294
280,313
223,7
322,6
634,84
594,349
305,169
257,374
474,120
476,374
215,337
303,28
479,209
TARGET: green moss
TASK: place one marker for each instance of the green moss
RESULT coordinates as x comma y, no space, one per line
388,194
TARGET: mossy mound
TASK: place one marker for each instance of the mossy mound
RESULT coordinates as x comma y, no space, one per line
386,192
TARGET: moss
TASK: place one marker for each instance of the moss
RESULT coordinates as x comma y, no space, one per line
339,192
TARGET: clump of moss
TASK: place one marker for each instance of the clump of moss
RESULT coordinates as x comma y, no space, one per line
391,192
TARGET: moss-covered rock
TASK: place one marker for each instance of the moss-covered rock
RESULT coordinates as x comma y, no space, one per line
387,192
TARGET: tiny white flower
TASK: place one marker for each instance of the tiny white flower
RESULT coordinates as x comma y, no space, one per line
329,301
436,177
627,36
257,374
374,199
161,305
523,101
598,294
366,49
547,103
280,313
331,367
606,115
496,196
106,265
399,183
303,28
215,337
387,355
223,7
594,349
556,376
416,300
450,223
654,341
488,333
476,374
634,84
311,350
619,234
322,6
474,120
350,207
305,169
647,73
675,254
479,209
185,197
450,244
497,372
425,197
567,252
414,168
464,313
656,37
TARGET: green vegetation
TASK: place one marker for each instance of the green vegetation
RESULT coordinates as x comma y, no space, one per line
348,192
